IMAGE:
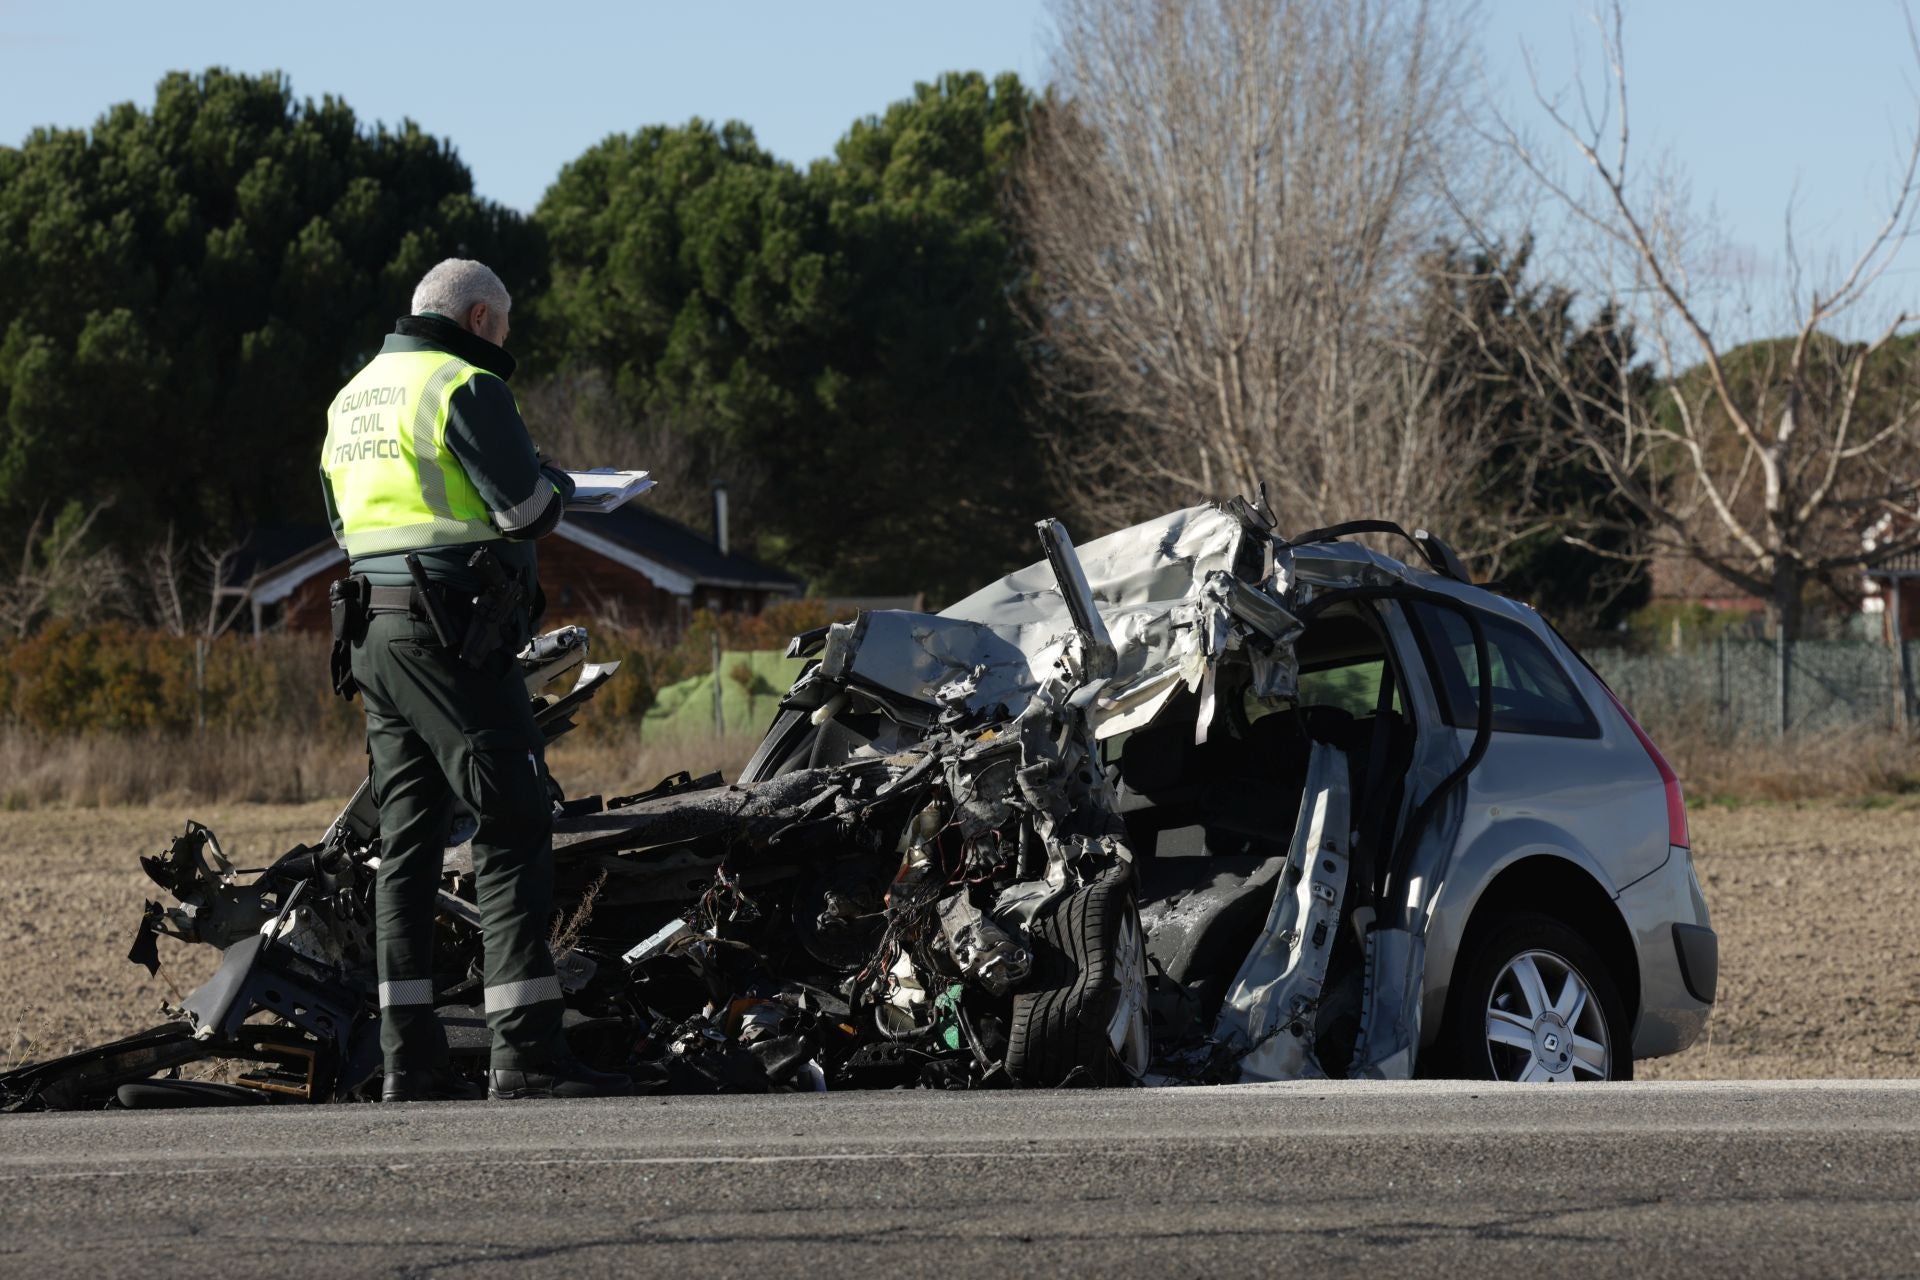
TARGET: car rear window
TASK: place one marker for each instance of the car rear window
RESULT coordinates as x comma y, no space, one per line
1531,693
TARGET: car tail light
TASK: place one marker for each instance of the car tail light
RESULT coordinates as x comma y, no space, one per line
1676,804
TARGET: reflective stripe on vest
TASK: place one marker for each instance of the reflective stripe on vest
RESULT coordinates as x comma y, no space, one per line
395,485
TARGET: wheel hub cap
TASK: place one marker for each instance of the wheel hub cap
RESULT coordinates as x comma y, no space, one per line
1552,1044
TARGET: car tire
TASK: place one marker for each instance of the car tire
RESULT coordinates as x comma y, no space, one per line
1082,1015
784,748
1510,1007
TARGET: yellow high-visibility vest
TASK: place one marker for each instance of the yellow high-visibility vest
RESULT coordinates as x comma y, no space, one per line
395,485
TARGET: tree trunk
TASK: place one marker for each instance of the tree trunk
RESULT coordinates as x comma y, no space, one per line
1783,616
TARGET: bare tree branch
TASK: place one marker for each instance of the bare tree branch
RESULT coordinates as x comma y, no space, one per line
1756,463
60,574
1228,205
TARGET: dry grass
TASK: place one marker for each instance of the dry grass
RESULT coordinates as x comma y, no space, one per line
286,767
1828,765
100,769
283,766
617,764
567,932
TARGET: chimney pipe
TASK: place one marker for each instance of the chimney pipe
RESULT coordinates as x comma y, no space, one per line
720,538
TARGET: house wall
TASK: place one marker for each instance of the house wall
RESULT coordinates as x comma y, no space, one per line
729,600
306,609
1909,610
580,584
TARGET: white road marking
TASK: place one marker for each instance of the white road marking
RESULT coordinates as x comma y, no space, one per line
844,1157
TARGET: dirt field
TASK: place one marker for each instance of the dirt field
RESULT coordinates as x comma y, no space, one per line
70,895
1818,909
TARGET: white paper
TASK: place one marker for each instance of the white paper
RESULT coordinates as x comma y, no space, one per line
603,488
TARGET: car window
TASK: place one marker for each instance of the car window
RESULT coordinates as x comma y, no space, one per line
1342,661
1353,687
1531,694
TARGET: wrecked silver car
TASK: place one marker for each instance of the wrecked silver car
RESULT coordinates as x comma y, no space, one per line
1193,803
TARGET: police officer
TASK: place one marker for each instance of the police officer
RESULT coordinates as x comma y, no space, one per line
427,463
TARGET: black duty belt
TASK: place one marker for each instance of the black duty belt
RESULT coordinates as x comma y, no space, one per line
394,600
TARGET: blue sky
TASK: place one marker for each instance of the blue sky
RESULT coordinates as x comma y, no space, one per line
1761,104
1753,98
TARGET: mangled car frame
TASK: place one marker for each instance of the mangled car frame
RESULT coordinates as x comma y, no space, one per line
1193,803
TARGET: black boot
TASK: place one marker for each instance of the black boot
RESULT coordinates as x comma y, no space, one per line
428,1086
562,1080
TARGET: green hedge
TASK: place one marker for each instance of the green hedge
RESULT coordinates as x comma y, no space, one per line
115,678
68,679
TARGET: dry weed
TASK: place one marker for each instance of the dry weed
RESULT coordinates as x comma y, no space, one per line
287,766
1835,764
95,770
566,933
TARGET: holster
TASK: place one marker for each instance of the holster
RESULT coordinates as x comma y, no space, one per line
498,614
347,609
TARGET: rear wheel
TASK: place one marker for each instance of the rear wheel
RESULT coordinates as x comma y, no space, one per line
1083,1013
1534,1003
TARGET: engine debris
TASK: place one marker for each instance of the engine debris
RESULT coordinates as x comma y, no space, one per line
928,876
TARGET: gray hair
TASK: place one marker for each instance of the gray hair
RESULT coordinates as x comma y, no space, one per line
456,286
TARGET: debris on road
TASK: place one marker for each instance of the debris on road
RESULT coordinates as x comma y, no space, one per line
929,875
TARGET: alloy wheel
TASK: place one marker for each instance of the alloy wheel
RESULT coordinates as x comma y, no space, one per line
1544,1024
1127,1028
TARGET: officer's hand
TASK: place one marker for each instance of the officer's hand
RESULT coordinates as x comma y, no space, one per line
559,479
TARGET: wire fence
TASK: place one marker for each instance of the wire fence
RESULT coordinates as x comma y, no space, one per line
1731,687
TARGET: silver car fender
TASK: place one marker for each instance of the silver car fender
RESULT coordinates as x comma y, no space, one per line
1479,859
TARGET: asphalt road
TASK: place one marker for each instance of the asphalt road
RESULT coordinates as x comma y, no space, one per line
1684,1179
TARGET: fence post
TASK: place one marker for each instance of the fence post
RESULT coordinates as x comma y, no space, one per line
1783,679
1724,691
199,684
1902,670
1907,689
719,710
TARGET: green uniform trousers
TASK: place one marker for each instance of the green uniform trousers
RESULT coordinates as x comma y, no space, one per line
438,730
